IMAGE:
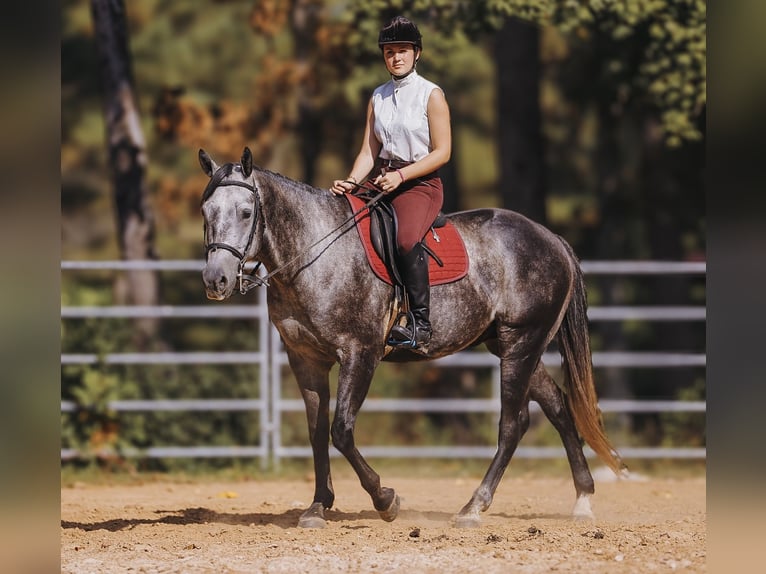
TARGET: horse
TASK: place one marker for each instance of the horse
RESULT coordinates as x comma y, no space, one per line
523,289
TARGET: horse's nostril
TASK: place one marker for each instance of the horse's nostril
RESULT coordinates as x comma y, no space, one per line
222,281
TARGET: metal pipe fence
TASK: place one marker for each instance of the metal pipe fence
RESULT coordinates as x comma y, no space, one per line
271,358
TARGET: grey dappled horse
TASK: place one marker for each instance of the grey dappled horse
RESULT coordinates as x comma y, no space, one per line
524,287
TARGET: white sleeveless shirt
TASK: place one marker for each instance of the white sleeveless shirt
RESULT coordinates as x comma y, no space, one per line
401,117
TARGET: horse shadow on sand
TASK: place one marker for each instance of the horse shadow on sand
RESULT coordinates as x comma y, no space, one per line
284,520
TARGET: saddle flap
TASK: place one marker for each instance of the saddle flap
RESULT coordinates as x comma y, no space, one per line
448,257
383,227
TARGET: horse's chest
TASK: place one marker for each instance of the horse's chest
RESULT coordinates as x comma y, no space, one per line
295,333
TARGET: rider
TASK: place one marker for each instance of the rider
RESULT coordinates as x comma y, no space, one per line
407,138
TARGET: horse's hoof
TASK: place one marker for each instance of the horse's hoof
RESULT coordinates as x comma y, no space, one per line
582,510
390,513
311,522
467,521
313,517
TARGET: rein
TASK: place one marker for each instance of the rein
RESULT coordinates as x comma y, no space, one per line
248,282
265,279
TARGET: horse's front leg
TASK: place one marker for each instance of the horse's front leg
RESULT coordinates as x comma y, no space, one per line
314,383
544,390
354,380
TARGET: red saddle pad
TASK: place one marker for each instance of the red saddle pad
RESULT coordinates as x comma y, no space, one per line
449,248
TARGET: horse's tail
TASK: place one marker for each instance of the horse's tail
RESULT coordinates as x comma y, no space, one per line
580,392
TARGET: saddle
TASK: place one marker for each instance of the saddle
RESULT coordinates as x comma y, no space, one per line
448,259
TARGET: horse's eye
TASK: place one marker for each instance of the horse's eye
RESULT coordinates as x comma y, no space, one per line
246,213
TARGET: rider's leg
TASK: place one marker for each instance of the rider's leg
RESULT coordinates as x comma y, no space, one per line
416,204
414,268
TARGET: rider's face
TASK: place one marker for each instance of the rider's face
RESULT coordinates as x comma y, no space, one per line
399,58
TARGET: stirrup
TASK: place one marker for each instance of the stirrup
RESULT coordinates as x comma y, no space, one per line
411,339
409,342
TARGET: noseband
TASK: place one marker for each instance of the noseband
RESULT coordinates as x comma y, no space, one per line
246,282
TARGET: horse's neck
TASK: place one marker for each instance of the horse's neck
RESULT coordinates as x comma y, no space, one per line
296,216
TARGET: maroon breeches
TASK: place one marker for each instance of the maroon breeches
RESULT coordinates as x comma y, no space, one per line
416,203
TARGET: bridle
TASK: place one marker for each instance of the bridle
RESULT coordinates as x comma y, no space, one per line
246,282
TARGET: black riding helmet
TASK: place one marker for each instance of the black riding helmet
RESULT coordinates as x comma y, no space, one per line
400,30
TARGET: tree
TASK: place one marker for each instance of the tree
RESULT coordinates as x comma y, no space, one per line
304,24
522,165
127,154
667,68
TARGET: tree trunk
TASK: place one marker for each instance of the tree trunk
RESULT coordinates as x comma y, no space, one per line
127,158
672,183
614,239
304,22
517,53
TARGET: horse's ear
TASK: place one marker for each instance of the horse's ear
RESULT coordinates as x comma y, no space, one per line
247,162
207,163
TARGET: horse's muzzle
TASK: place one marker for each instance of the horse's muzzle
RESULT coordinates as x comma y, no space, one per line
217,285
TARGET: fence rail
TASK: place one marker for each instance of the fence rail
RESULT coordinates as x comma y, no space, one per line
271,405
616,267
614,313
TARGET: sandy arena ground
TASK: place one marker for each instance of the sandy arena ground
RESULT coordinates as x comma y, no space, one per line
649,525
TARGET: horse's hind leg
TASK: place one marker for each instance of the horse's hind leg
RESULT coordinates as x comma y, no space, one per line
354,380
544,391
314,383
519,351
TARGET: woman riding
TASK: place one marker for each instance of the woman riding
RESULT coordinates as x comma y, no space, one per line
407,138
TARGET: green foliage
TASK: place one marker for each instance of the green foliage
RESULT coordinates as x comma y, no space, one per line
668,37
93,428
214,46
687,429
104,436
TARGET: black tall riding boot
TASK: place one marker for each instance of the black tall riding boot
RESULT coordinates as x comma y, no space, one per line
414,269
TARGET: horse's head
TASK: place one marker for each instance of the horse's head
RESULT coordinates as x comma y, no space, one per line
231,211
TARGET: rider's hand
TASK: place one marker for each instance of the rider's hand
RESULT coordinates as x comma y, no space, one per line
388,182
341,186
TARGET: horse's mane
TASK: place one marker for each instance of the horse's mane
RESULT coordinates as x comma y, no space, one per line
292,183
225,170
